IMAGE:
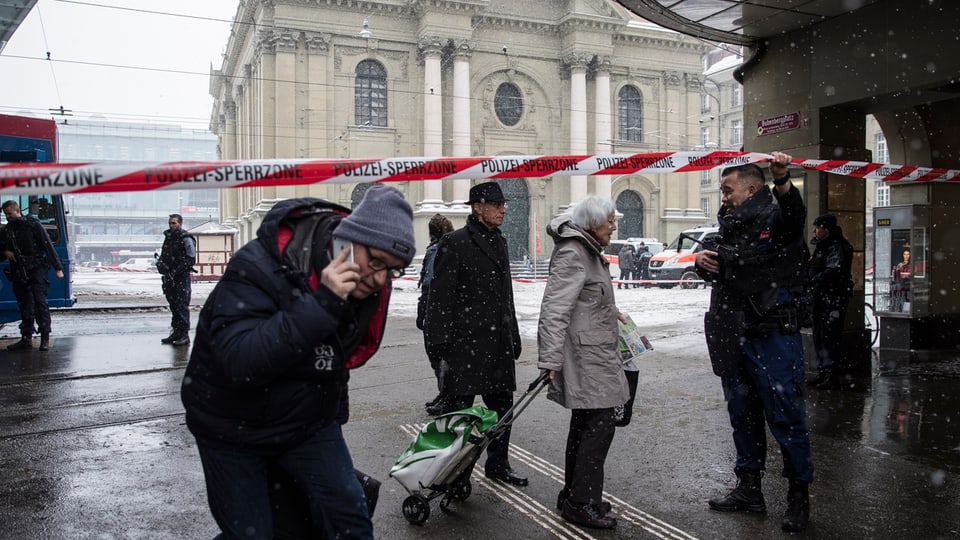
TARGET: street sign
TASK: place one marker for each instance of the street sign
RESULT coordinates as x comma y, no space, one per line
778,124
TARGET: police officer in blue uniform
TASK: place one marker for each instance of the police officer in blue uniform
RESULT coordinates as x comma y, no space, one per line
26,244
175,264
753,335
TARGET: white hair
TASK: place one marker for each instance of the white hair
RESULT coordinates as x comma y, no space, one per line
592,211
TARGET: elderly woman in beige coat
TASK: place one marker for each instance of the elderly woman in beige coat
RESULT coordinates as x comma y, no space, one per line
577,338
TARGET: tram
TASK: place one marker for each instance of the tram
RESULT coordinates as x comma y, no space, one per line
24,139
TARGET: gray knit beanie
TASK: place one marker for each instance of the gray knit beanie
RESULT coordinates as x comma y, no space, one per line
382,220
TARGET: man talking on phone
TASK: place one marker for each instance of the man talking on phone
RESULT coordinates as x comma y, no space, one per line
266,385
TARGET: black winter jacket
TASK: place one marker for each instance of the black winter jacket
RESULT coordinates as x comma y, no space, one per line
471,320
829,270
767,237
270,358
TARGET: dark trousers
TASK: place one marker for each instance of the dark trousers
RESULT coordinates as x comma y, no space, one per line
768,385
177,291
588,441
239,496
624,275
32,301
827,333
500,402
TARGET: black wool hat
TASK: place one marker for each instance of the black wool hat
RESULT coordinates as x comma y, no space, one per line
487,192
826,221
383,220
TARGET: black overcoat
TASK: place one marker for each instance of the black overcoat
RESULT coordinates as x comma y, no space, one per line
472,322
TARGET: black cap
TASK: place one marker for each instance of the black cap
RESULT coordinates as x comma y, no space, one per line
487,192
826,221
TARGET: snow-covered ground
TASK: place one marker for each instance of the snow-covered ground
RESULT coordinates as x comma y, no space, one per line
651,308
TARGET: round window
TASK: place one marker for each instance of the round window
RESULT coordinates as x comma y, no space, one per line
508,104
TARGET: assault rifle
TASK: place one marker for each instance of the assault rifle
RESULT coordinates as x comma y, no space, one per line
21,268
726,252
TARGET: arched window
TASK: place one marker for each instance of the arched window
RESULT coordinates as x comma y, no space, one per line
630,205
630,114
370,94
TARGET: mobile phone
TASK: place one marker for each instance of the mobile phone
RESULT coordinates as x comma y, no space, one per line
339,244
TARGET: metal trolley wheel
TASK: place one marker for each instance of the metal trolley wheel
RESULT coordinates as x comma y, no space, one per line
416,508
461,491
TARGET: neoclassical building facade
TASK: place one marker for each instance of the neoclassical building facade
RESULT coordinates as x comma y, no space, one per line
390,78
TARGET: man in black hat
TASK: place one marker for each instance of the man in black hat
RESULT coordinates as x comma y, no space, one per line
831,288
471,321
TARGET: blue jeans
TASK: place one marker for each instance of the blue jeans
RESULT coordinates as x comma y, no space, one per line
238,490
768,386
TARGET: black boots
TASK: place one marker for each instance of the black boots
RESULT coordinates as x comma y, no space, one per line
25,344
748,497
797,516
745,497
177,339
44,342
587,515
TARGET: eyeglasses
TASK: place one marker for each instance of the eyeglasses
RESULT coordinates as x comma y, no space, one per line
173,223
377,265
498,205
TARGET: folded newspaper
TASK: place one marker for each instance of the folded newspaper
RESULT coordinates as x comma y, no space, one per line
631,342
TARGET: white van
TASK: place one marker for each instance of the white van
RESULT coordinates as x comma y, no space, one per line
612,252
139,265
675,265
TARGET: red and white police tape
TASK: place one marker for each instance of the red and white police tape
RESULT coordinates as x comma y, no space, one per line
59,178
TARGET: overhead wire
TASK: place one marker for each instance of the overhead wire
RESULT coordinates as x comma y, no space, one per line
415,93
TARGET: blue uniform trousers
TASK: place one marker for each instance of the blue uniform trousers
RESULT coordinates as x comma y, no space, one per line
177,291
768,386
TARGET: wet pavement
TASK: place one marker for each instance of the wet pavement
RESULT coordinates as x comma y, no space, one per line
92,445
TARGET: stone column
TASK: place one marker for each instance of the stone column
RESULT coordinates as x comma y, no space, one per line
432,52
578,120
461,115
603,124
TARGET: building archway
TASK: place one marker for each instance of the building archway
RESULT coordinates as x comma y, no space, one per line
630,204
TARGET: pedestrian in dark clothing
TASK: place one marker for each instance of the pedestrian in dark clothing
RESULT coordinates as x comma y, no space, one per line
26,244
175,265
471,320
577,334
438,226
831,288
626,261
752,331
266,385
643,264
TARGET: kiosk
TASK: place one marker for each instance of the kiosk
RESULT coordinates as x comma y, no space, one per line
914,282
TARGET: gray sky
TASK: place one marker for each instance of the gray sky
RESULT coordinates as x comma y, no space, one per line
149,61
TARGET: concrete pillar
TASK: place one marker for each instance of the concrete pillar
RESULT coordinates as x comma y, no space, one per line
578,121
603,124
461,116
432,116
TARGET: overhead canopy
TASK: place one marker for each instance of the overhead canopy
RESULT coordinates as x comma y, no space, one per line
12,13
740,21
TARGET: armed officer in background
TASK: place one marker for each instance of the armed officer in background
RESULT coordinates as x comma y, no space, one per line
175,264
752,331
27,246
